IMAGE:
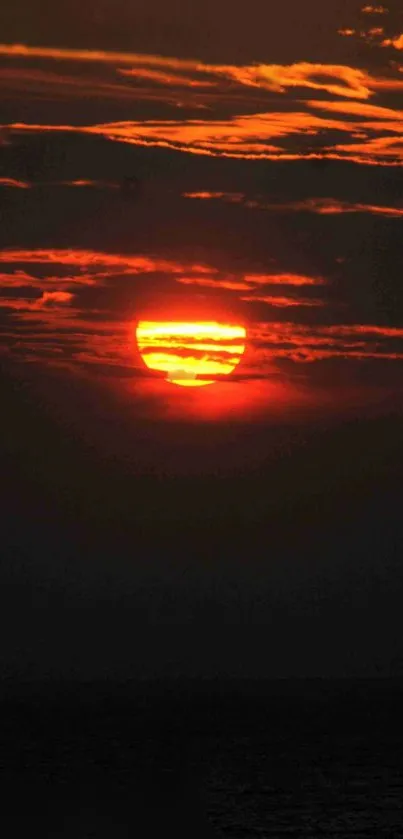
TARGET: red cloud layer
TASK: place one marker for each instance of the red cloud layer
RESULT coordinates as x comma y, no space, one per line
51,327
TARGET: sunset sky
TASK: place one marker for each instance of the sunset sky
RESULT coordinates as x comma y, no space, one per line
233,164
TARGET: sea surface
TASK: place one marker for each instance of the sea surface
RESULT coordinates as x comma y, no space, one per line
314,758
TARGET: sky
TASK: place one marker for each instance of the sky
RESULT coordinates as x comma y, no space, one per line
241,165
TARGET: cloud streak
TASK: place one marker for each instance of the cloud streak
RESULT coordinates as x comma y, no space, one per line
271,132
282,302
319,206
247,138
338,79
375,10
14,183
86,259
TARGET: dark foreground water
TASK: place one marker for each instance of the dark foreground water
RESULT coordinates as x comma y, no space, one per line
240,760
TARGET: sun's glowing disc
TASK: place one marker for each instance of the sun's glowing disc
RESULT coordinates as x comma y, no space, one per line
190,353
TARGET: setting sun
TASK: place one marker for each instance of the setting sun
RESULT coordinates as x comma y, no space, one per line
191,353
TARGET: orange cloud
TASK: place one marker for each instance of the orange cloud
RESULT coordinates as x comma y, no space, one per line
48,298
85,259
378,147
244,137
87,183
11,182
166,78
18,279
231,197
232,285
332,207
396,42
252,281
375,10
308,356
18,184
302,343
282,302
283,279
364,329
338,79
51,298
361,109
320,206
94,56
17,303
253,136
43,83
332,78
58,85
279,332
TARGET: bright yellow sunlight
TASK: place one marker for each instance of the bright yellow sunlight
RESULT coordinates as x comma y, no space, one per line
191,354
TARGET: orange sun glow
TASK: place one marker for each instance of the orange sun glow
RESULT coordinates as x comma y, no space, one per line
190,353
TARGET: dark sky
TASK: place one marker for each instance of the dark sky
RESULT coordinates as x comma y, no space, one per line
244,161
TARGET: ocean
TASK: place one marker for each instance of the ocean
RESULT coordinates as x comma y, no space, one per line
300,758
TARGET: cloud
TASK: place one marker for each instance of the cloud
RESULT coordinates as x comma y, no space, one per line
307,344
83,182
86,259
41,83
252,282
244,139
271,132
282,302
396,43
375,32
17,279
18,184
229,284
329,206
364,329
54,298
365,110
319,206
164,78
56,87
12,182
251,136
283,279
231,197
332,78
375,10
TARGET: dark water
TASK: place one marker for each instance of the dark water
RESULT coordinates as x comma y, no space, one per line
242,760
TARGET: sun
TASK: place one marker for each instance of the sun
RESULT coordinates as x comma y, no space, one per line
191,354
